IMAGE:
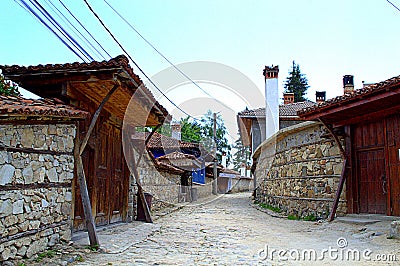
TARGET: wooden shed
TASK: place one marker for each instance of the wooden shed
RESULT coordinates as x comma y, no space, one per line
369,120
85,85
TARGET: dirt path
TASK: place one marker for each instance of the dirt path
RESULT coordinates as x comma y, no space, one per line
228,231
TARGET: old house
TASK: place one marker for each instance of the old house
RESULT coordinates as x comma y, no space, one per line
252,122
368,120
37,141
86,86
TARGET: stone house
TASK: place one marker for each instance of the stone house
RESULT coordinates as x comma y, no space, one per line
37,141
127,104
344,160
252,122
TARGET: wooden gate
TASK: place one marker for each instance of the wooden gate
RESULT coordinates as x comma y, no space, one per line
370,161
393,150
107,176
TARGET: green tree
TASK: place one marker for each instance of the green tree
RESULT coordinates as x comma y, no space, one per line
296,83
190,131
8,87
241,156
207,128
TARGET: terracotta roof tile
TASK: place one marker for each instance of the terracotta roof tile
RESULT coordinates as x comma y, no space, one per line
18,106
159,141
370,89
284,110
119,62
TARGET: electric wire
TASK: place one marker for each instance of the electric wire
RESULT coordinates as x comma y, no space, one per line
162,55
77,20
133,61
44,23
61,29
398,9
72,27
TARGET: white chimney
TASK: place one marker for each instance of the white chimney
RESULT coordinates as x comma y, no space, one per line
176,131
271,100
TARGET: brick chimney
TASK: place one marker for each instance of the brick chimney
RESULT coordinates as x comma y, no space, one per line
348,84
288,97
270,74
320,96
176,131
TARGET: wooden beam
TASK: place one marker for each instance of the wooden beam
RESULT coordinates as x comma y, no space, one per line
95,117
87,208
342,153
338,192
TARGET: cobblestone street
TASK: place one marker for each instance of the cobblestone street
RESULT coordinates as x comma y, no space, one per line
229,231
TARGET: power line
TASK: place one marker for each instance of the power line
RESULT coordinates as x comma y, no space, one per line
57,11
61,29
77,20
133,61
163,56
36,15
398,9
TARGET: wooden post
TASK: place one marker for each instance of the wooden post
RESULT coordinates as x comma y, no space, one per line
342,176
87,207
215,172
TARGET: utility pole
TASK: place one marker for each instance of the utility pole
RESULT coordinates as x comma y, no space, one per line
215,183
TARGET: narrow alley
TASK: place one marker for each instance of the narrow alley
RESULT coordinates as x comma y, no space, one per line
229,231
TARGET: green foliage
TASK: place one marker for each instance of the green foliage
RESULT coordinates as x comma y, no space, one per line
270,207
310,217
79,258
297,83
293,217
190,131
47,254
93,248
8,87
242,154
193,131
21,264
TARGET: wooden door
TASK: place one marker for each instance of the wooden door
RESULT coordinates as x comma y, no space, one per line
369,140
393,147
116,186
372,181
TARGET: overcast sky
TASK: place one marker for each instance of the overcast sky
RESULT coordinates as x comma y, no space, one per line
327,38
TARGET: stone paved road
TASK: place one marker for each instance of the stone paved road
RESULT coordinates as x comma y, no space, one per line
228,231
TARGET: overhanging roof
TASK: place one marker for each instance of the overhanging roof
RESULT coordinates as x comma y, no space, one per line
82,81
370,102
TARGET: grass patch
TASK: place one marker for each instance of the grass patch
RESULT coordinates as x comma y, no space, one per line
79,258
93,248
47,254
311,218
293,217
270,207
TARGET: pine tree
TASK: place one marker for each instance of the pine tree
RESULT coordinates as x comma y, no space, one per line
296,83
241,156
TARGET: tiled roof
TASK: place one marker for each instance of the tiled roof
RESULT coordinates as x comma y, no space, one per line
18,106
285,110
159,141
176,155
116,63
370,89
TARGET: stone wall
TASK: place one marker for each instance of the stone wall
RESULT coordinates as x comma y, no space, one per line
242,185
298,171
36,171
162,185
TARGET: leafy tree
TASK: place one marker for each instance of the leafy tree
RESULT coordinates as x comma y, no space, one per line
242,154
190,131
207,132
296,83
193,131
8,87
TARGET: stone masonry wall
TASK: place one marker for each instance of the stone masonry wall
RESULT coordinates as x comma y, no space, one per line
162,185
298,171
36,170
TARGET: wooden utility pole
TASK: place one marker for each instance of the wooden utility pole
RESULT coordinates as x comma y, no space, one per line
215,183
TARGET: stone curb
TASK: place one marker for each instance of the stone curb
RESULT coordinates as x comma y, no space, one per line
269,212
